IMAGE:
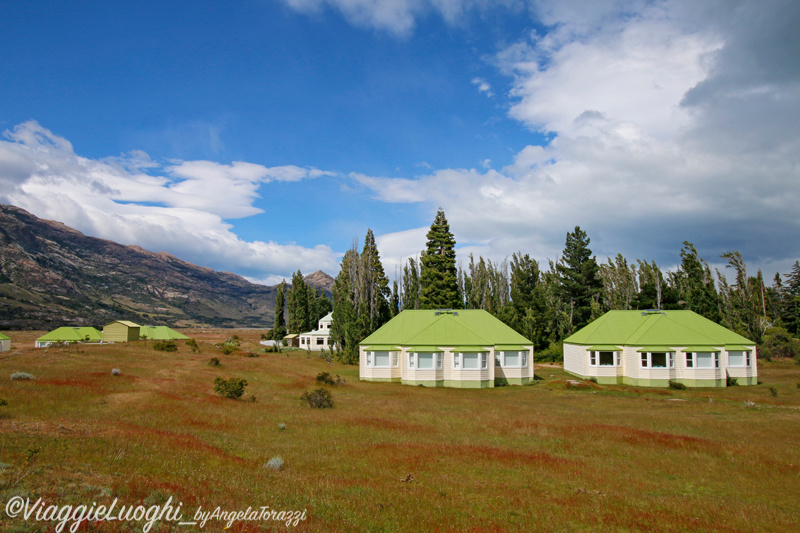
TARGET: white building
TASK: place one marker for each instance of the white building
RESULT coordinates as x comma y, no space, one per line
319,338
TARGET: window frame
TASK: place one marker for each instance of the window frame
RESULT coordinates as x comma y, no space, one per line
594,358
413,361
522,359
692,362
745,354
646,360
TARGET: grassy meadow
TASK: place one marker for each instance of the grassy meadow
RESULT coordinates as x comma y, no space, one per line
389,457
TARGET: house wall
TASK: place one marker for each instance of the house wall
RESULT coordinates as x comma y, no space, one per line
377,374
5,345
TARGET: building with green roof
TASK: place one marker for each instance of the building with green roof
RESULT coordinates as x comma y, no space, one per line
444,348
5,343
67,334
121,331
652,348
160,333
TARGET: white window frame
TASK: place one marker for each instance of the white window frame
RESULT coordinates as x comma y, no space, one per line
646,361
413,362
691,361
375,360
522,358
483,361
594,358
746,359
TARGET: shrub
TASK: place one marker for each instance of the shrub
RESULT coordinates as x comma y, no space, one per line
22,376
231,388
318,398
214,361
324,378
281,426
777,342
227,349
252,354
276,463
192,344
116,371
552,354
773,391
165,346
731,381
3,402
677,385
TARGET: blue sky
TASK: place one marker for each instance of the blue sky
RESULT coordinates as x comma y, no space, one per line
264,136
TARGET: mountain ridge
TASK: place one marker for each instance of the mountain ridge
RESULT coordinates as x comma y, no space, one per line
53,275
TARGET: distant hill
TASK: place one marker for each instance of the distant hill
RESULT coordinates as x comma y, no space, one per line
52,275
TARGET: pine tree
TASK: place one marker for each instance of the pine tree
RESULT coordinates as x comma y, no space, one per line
579,280
438,276
279,326
394,304
790,315
346,330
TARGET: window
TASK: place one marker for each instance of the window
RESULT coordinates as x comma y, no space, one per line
369,358
395,359
320,341
515,359
497,356
604,358
739,358
471,360
702,360
382,359
425,360
658,360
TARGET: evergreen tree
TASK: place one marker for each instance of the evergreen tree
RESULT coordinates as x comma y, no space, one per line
620,285
374,309
528,305
394,304
438,276
321,306
279,325
579,280
790,315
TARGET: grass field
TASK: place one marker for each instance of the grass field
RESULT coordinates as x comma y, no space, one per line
390,457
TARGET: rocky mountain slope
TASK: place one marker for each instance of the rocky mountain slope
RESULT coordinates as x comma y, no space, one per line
52,275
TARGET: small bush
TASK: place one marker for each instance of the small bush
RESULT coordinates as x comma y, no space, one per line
232,388
324,378
677,385
3,402
773,391
552,354
192,344
318,398
165,346
116,371
731,381
22,376
227,349
281,426
276,463
214,361
251,354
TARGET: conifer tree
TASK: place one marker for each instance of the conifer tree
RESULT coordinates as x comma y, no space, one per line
346,330
696,284
374,311
298,303
579,281
394,304
438,276
279,326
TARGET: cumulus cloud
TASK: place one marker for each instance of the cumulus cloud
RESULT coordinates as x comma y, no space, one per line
182,210
483,86
669,122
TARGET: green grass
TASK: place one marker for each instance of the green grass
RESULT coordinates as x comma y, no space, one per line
541,457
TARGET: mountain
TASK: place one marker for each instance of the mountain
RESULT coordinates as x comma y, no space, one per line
52,275
321,280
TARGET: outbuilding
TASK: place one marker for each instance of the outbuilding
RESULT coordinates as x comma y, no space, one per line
446,348
121,331
160,333
652,348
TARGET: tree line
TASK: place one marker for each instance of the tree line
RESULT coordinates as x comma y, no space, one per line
548,304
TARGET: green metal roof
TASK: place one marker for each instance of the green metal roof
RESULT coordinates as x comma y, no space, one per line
71,334
436,329
662,328
4,337
127,323
160,333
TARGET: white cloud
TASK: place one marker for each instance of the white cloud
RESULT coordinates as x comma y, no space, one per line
670,122
181,211
483,86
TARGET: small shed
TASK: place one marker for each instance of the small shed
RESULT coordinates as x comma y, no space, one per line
293,339
5,343
69,334
160,333
121,331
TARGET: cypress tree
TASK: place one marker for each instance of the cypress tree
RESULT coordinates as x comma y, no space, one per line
438,275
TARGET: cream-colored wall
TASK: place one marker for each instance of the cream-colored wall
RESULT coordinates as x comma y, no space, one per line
575,359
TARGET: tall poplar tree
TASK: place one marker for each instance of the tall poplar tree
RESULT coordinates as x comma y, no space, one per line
299,302
346,328
279,326
374,309
438,275
411,289
696,284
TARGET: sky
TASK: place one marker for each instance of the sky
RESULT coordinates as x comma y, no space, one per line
263,137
